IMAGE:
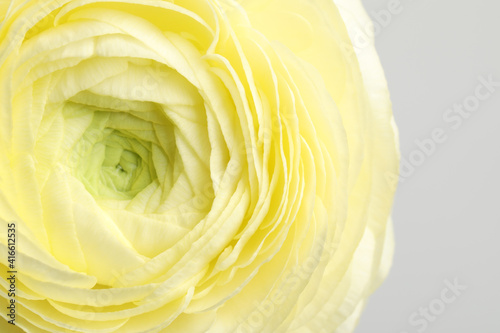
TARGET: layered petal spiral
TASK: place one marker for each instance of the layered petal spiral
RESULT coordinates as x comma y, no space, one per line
192,165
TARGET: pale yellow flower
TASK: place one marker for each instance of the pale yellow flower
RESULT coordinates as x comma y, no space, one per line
192,165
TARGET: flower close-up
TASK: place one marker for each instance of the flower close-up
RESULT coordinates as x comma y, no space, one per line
191,166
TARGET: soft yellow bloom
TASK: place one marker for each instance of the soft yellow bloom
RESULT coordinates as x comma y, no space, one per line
192,165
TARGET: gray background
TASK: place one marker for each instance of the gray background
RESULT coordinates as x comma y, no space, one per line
446,213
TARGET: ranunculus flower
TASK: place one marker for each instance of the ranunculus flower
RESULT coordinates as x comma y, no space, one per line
192,165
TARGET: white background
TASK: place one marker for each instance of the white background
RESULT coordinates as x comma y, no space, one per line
447,209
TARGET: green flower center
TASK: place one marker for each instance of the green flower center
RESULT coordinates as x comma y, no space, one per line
112,163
